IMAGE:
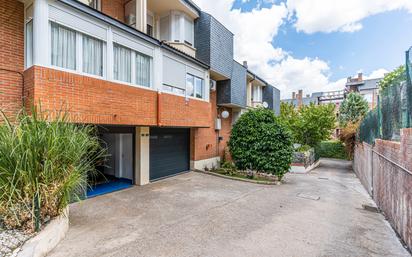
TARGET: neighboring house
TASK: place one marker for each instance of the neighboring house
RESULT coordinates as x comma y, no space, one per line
299,100
155,75
368,88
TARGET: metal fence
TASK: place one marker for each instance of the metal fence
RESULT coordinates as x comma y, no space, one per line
393,111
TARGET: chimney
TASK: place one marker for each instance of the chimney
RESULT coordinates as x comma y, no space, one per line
293,95
360,77
245,64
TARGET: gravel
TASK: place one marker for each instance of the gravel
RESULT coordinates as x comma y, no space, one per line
10,240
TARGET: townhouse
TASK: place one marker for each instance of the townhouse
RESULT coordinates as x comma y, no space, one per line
158,78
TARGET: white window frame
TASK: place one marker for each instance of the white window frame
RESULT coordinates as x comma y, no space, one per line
133,68
78,50
179,19
202,93
82,36
28,49
79,53
259,90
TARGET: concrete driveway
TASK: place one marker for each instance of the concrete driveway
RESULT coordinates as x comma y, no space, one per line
201,215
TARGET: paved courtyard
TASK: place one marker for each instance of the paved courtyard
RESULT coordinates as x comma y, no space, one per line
319,214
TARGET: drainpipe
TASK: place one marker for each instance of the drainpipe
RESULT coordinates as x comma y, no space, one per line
22,79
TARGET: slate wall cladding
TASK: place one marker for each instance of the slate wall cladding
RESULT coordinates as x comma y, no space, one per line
233,91
238,85
268,96
276,100
202,37
214,44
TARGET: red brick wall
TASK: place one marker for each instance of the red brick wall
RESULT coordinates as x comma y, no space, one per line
92,100
392,185
176,111
114,8
205,140
11,55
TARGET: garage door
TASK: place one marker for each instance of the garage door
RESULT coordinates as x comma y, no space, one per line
169,152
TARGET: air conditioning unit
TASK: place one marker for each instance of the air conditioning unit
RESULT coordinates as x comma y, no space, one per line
212,85
131,20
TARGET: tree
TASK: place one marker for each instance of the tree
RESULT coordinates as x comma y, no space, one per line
260,142
309,124
352,109
315,123
393,78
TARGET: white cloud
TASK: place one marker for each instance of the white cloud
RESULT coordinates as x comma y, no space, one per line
339,15
254,32
379,73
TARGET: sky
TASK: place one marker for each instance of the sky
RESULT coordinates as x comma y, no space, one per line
315,45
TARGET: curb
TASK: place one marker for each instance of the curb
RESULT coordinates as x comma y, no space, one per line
240,179
47,239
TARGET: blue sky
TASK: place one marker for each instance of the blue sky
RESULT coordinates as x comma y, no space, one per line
315,44
380,44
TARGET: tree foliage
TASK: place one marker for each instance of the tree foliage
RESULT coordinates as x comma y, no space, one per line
260,142
393,78
309,124
352,109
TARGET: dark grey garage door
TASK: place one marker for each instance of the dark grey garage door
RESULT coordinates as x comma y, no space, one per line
169,152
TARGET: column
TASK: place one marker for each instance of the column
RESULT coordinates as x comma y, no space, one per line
142,166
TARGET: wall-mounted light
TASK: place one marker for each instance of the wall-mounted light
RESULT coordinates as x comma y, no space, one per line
225,114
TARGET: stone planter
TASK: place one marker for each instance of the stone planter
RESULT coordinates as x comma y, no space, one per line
47,239
304,162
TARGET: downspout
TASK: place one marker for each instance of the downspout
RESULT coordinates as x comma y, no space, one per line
22,79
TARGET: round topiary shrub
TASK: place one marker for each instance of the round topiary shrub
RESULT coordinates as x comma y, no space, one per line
259,142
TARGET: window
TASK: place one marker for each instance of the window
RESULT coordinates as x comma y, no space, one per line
194,86
172,89
95,4
368,97
199,87
29,43
189,31
142,70
190,85
122,63
165,28
176,27
149,26
257,94
63,47
92,56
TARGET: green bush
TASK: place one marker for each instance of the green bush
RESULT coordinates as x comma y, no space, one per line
260,142
331,149
309,124
44,166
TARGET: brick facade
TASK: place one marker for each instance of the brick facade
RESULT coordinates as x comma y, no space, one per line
114,8
390,185
205,140
96,101
11,56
